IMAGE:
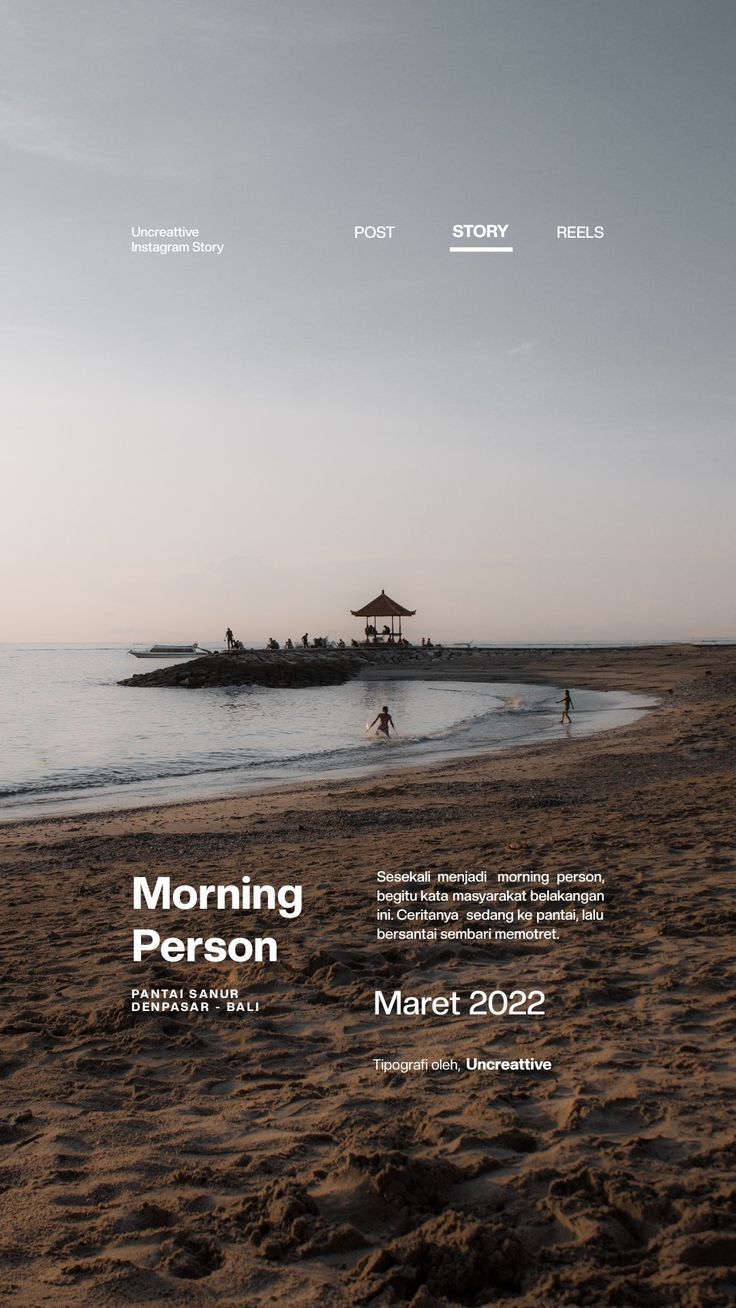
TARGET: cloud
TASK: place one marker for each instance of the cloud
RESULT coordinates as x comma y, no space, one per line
25,127
31,130
524,347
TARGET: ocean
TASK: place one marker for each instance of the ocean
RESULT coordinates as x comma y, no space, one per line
73,740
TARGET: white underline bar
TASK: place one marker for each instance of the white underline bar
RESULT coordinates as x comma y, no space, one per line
481,249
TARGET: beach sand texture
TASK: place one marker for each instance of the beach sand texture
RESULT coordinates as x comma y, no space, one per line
206,1159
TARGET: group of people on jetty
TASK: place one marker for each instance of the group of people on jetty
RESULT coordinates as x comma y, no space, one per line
317,642
373,637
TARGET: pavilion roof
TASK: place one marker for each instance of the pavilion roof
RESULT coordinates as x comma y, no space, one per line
383,607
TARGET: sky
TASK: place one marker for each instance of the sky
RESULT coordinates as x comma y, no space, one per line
536,446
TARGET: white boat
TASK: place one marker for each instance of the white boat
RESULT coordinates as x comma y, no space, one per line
169,652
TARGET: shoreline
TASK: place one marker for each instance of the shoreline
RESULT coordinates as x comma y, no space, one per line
207,1159
348,773
399,772
582,667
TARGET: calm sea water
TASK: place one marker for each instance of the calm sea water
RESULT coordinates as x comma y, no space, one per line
74,740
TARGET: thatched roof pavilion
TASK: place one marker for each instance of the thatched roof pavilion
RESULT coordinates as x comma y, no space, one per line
383,607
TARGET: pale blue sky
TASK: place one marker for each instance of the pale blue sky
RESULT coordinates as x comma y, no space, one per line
528,447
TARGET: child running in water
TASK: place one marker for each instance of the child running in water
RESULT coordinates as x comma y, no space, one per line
383,719
567,704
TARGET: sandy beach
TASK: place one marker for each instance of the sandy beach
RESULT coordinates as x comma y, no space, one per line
260,1158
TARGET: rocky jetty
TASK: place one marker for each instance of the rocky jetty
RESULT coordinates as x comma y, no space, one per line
253,669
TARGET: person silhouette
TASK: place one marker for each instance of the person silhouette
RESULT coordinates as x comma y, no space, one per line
567,704
383,719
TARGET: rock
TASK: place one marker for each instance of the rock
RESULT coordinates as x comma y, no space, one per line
213,670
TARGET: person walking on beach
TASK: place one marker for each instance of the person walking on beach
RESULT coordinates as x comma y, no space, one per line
229,638
383,719
305,639
567,704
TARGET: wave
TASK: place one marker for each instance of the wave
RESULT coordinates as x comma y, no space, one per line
230,762
212,752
